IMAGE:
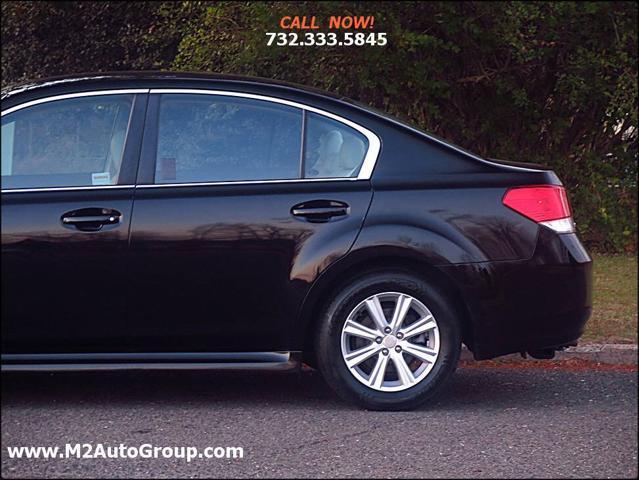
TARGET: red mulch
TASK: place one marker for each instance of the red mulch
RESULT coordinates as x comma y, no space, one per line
572,365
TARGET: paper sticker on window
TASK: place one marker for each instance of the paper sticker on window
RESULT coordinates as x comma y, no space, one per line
101,178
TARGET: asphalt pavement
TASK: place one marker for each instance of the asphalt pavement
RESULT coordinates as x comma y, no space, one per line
489,422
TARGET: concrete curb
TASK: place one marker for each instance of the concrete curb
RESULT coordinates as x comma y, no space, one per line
614,353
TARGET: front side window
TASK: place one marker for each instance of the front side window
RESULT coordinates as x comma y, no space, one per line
332,149
214,138
63,143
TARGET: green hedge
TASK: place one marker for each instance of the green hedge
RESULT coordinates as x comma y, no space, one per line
554,83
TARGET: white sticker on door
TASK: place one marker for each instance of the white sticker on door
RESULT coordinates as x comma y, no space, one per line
101,178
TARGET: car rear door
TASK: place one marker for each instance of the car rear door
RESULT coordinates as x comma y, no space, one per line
231,223
68,173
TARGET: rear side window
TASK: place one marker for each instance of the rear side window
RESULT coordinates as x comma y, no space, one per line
62,143
212,138
332,149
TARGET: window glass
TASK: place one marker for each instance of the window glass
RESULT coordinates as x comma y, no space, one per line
72,142
211,138
332,149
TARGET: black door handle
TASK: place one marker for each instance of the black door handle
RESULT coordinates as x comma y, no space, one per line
91,219
320,210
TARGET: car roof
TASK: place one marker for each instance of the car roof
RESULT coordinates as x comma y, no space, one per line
107,78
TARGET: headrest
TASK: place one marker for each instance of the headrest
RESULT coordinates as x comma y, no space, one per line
353,150
332,142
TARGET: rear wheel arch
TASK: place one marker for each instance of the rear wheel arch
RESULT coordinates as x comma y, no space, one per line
350,269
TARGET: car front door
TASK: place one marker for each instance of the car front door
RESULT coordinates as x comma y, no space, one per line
232,222
68,174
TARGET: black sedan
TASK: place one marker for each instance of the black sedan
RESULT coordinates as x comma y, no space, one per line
159,220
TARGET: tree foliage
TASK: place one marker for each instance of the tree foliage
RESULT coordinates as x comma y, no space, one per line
547,82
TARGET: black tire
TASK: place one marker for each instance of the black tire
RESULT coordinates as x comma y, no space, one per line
328,340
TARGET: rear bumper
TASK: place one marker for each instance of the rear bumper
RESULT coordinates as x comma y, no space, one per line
535,304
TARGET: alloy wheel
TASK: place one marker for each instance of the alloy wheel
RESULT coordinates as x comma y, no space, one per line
390,341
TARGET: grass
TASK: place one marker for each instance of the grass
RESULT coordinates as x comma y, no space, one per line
614,316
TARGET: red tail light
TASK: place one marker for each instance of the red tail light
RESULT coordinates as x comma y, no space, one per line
543,204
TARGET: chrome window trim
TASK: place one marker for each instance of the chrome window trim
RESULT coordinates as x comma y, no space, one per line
374,143
66,96
189,184
64,189
248,182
